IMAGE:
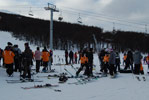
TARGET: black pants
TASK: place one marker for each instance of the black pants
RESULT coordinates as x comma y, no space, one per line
112,69
27,69
105,67
137,69
9,69
16,63
81,68
66,60
70,60
37,65
90,64
45,65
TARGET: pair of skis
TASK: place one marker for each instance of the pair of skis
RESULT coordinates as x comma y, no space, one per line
42,86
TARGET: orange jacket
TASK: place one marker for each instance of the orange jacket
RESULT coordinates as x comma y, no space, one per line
45,56
125,57
8,57
147,58
83,60
106,58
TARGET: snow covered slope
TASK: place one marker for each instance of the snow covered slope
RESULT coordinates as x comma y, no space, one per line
124,87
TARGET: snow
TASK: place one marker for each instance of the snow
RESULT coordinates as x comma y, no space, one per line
124,87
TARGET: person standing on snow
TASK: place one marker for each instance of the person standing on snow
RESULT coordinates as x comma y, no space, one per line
76,57
106,64
71,57
17,56
129,60
27,56
101,56
90,61
45,58
38,59
117,62
66,57
112,63
137,62
84,63
8,56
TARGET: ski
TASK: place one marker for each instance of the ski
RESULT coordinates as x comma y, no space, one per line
22,81
42,86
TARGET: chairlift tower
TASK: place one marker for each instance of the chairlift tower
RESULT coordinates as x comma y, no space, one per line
52,8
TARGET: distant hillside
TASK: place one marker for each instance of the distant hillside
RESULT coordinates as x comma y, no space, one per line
66,34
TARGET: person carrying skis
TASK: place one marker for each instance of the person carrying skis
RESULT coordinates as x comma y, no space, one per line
8,56
27,56
137,62
84,63
45,58
38,59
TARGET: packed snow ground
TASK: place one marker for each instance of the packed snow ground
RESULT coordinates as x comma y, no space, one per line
124,87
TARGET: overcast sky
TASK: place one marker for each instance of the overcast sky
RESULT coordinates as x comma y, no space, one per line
126,15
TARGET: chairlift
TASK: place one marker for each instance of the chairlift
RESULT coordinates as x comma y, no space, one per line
30,12
60,18
79,20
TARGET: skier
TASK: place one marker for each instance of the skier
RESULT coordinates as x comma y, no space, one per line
84,63
71,57
112,63
90,62
106,64
17,60
8,56
27,56
66,57
117,61
45,58
129,60
137,62
101,56
38,59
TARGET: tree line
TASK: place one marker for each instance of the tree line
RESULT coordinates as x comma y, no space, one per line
65,34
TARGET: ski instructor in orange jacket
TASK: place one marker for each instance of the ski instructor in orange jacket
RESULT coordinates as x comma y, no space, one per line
8,56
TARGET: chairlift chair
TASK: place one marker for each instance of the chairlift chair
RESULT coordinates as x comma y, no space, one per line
30,12
79,20
60,18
